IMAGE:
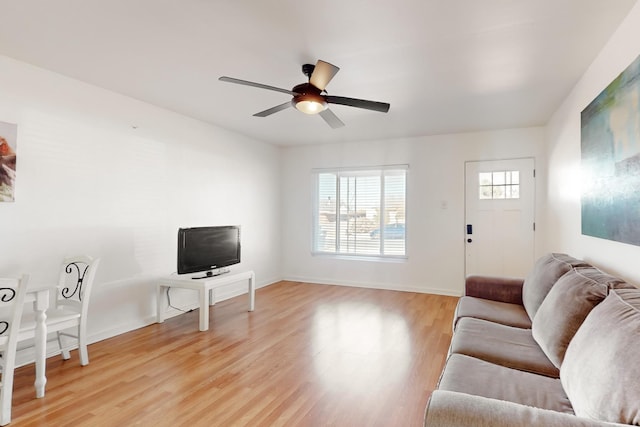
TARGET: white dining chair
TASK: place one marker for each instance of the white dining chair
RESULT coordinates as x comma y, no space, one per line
12,292
68,318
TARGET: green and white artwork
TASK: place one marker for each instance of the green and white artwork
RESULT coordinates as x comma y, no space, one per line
8,134
611,160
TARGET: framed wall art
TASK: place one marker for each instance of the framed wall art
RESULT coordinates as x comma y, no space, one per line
610,144
8,139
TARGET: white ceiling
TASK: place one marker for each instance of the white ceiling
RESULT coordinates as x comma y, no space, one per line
445,66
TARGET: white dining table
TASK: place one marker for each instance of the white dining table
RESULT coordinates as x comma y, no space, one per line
39,296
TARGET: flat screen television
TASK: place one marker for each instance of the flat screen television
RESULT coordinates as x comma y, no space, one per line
208,248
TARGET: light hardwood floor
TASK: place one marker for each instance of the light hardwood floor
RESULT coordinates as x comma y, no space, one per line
309,355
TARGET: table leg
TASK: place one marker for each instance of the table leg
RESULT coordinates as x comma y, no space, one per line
162,302
252,292
204,309
41,351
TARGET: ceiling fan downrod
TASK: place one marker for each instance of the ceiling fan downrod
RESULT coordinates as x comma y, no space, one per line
307,70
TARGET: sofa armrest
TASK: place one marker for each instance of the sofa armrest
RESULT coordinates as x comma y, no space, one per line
453,409
503,289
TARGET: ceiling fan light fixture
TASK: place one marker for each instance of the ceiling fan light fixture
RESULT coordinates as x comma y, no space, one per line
310,103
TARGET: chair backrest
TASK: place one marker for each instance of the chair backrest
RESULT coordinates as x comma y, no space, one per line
75,283
12,292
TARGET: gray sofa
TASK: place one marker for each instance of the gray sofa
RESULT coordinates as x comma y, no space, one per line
560,348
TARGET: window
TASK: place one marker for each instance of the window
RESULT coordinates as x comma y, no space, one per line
499,185
360,211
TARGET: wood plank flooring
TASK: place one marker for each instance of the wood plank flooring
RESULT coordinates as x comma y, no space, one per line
309,355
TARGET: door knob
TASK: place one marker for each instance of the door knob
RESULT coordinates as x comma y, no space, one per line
469,240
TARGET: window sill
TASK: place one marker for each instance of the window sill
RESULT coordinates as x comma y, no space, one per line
368,258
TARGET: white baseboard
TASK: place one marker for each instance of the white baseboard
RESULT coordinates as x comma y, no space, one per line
369,285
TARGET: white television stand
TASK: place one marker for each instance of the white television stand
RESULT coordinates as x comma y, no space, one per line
205,288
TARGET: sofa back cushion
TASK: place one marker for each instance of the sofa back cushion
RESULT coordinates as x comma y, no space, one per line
600,371
546,271
566,306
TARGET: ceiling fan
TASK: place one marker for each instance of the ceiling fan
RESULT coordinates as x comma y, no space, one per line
311,97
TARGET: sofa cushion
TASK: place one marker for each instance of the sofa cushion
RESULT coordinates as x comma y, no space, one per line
567,305
503,345
469,375
546,271
600,371
493,311
451,409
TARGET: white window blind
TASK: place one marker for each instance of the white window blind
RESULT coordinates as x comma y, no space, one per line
360,211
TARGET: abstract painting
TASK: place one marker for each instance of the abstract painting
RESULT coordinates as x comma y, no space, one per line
8,136
611,160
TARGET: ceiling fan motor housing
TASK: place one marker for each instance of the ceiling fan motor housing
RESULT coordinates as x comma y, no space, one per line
308,99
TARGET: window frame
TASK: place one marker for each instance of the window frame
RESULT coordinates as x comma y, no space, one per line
358,170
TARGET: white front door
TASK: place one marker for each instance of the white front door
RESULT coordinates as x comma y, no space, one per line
499,217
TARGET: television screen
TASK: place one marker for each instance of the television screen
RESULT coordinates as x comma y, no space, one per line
208,248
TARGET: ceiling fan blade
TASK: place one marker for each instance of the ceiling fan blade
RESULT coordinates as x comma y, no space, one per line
331,119
383,107
322,74
273,110
258,85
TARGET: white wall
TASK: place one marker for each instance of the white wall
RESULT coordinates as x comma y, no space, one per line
88,182
563,203
435,236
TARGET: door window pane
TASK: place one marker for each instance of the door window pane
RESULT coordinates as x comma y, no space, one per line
499,185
